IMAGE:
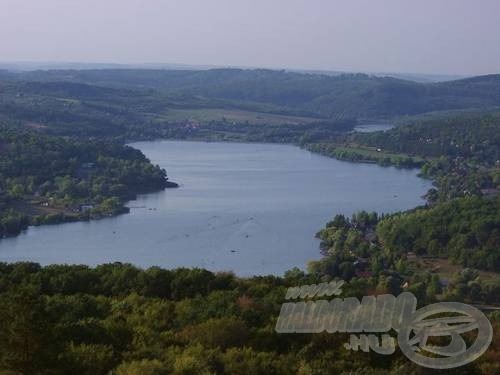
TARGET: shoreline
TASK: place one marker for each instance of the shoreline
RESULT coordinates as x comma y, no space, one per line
63,218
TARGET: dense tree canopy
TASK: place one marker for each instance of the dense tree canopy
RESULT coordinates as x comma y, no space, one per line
49,179
76,319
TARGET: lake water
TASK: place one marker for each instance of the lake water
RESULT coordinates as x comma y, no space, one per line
250,208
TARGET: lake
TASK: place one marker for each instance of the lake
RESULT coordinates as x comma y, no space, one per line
249,208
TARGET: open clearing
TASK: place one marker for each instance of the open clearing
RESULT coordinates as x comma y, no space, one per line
371,152
233,115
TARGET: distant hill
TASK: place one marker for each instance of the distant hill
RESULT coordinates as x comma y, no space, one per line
347,95
24,66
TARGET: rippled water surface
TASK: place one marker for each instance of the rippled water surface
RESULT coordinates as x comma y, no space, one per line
250,208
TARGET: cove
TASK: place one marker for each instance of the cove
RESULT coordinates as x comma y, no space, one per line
248,208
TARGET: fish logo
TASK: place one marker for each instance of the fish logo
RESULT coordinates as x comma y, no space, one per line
430,337
414,335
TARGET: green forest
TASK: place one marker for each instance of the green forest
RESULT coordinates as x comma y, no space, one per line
63,157
316,95
46,179
116,317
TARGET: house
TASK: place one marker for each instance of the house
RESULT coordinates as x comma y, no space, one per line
411,255
86,207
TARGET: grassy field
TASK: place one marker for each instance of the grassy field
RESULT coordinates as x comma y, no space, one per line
233,116
372,152
35,207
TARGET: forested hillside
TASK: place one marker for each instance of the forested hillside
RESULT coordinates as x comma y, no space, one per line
82,110
348,95
428,246
116,317
45,179
473,136
465,231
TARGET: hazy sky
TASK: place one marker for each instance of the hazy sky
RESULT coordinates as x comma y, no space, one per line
426,36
